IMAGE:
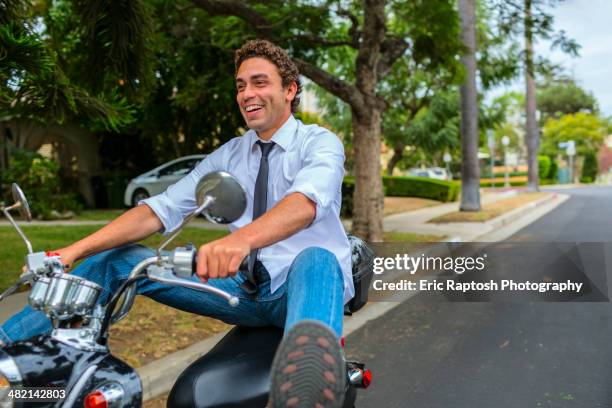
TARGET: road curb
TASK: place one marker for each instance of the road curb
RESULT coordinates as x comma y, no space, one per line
512,215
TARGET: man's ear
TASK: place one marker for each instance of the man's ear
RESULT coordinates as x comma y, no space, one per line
291,91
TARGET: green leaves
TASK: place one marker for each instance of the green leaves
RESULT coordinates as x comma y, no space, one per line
559,96
116,34
33,86
21,51
587,130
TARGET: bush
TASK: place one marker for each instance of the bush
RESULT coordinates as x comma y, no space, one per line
502,183
422,188
544,166
589,168
39,179
511,174
403,187
554,167
586,180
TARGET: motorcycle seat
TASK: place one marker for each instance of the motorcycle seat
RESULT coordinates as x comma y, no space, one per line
235,373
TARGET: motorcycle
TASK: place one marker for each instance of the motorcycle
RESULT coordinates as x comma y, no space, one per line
73,367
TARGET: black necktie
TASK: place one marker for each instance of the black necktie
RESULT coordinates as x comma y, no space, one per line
260,204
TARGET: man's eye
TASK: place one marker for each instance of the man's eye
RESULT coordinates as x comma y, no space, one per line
260,83
240,87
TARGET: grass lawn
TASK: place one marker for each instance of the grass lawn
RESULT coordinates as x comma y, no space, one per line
99,215
489,211
13,249
394,205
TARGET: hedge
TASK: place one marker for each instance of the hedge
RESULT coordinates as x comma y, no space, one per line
404,187
502,184
544,166
589,168
421,187
510,174
543,182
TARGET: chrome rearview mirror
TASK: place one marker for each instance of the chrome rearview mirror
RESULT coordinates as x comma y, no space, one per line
227,197
220,197
20,204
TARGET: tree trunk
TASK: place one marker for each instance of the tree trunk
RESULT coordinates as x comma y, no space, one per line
368,196
532,133
470,171
398,154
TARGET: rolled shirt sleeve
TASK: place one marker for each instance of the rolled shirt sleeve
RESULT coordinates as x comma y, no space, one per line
320,177
178,201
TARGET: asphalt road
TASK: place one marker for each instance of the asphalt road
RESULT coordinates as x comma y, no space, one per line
429,352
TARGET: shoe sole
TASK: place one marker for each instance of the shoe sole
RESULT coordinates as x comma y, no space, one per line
308,370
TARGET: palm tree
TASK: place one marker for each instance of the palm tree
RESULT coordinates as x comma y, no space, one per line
470,172
34,90
532,134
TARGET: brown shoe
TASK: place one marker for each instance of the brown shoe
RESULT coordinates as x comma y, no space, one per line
308,369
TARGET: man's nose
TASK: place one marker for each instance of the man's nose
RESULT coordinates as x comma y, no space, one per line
248,92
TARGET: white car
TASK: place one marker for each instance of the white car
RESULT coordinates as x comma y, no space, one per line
437,173
157,180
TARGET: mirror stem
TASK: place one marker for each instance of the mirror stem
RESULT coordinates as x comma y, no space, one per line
207,201
12,221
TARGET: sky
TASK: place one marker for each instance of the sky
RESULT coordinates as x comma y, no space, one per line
589,23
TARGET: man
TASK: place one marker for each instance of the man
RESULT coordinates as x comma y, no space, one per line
299,274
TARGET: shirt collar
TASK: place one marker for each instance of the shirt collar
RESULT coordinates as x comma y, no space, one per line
284,135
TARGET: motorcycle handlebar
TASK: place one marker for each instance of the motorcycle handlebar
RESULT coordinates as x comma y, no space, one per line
172,271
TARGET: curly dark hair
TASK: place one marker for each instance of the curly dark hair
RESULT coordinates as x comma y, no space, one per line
286,67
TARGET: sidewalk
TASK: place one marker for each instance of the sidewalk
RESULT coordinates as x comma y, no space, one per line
159,376
416,221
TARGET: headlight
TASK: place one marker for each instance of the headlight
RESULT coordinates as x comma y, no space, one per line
9,378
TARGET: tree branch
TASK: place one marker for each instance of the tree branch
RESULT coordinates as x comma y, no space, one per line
354,30
348,93
392,49
313,39
240,9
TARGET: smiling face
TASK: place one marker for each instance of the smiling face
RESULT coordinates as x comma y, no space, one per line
264,103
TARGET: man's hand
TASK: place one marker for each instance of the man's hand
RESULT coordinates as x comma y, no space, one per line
68,256
221,258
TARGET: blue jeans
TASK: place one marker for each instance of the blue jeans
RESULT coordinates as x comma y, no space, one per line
313,290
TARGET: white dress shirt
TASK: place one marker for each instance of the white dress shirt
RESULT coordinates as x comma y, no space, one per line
308,159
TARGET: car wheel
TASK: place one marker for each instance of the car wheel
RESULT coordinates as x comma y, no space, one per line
138,195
